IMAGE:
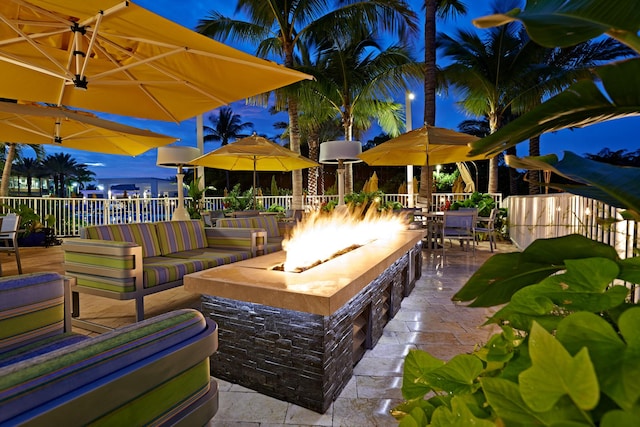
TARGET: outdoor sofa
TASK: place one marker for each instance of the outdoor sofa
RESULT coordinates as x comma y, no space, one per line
129,261
155,372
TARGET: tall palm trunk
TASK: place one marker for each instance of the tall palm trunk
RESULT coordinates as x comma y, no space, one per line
532,175
426,173
493,162
312,175
6,172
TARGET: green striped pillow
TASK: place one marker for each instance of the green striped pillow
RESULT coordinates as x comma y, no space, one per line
143,234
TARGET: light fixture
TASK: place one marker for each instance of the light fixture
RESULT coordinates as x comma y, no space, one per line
340,153
177,157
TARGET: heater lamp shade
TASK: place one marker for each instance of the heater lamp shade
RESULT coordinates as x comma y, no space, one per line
171,157
332,152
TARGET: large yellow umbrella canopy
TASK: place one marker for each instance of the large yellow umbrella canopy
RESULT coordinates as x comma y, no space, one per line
254,153
114,56
441,145
36,124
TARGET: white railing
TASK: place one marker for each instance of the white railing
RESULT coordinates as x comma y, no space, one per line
71,214
555,215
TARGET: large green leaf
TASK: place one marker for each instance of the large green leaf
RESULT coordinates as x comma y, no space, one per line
458,416
417,365
505,399
457,376
582,104
613,359
554,374
503,274
564,23
584,286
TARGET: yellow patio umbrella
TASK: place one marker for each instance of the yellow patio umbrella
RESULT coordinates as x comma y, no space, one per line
36,124
439,145
254,153
426,145
114,56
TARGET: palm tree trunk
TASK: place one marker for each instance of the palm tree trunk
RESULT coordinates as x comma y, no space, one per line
312,180
533,176
294,135
426,174
6,172
493,162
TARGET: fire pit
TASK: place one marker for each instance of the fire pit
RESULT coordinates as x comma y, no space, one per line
297,335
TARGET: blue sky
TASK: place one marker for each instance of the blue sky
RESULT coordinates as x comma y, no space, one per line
617,134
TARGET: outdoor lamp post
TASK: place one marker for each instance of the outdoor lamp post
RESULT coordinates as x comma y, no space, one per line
177,157
408,97
340,153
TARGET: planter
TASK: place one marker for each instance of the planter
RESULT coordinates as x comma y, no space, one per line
43,237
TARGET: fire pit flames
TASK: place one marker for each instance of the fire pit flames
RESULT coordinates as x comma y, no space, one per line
322,236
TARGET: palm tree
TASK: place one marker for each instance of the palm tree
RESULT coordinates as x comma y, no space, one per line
13,151
227,126
281,28
355,80
504,74
433,9
60,166
28,168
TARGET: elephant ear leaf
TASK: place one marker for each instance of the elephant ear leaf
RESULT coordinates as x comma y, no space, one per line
561,23
555,373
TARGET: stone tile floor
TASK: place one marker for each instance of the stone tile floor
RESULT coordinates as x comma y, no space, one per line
427,320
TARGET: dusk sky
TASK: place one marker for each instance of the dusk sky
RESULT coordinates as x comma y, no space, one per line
615,135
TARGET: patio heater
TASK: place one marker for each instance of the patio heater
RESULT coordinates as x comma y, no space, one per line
340,153
177,157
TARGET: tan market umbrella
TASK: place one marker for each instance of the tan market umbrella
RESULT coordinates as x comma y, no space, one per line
254,153
438,145
114,56
36,124
441,145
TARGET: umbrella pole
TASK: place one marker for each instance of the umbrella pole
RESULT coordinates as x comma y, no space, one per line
254,182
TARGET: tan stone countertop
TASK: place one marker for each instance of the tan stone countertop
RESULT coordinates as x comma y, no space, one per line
322,289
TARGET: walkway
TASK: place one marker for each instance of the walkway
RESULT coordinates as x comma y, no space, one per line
428,320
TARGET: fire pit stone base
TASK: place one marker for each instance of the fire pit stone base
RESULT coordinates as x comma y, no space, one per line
301,357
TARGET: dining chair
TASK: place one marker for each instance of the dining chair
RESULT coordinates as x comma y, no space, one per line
459,225
9,237
490,228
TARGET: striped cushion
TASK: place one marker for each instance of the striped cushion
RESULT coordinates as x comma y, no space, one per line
175,236
269,223
212,257
31,308
113,284
235,222
159,270
43,346
31,384
143,234
219,237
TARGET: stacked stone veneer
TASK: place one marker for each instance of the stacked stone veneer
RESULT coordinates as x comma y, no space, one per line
303,358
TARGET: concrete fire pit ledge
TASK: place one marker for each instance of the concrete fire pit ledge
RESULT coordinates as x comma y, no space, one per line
297,336
322,289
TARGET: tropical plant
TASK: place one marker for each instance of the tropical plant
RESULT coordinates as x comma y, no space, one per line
284,28
605,95
30,221
11,151
236,200
356,77
503,74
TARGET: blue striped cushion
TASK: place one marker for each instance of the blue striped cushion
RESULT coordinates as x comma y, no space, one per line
175,236
43,346
143,234
31,384
211,257
31,308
